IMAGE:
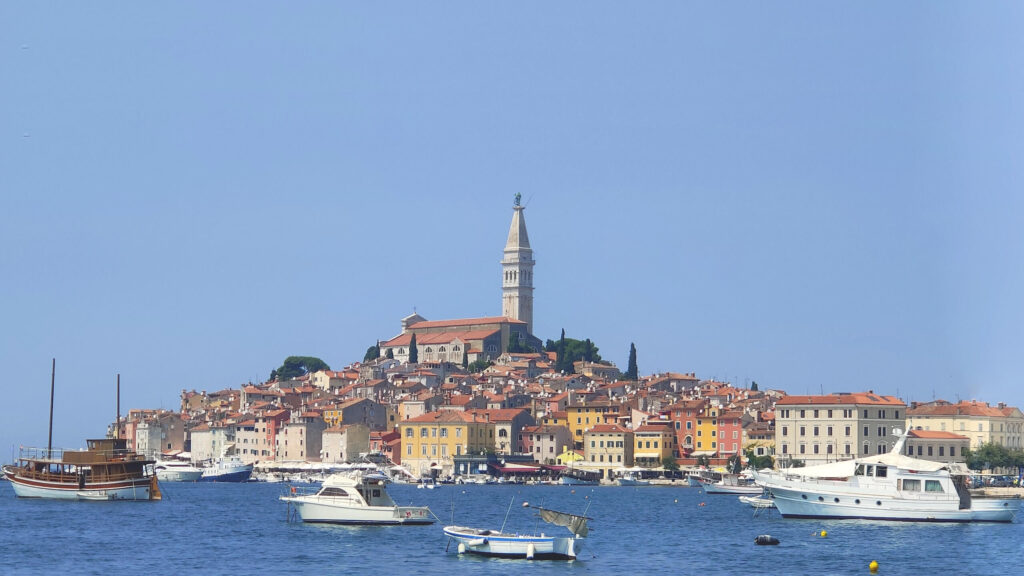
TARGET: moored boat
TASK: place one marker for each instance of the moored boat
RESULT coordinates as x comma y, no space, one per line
176,471
529,546
632,478
732,484
227,469
355,498
885,487
106,470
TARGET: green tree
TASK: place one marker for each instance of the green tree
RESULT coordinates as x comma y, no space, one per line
753,386
465,357
390,354
479,365
414,355
758,462
515,346
989,456
569,350
295,366
703,460
372,353
632,373
735,464
669,463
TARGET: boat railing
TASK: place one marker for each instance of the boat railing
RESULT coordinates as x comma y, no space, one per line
77,456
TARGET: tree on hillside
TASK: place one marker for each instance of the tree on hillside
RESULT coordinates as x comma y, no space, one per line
632,373
372,353
480,365
569,350
753,386
465,357
515,346
414,355
295,366
390,354
669,463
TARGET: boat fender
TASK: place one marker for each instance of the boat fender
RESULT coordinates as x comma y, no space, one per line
766,540
530,551
462,548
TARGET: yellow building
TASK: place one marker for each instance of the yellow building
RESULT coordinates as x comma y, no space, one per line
706,441
983,424
584,416
430,441
608,446
652,444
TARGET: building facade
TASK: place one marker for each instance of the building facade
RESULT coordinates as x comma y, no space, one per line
827,428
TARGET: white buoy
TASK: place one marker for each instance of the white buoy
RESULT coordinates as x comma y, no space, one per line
462,548
530,550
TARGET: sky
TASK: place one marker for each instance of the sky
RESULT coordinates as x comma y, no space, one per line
816,197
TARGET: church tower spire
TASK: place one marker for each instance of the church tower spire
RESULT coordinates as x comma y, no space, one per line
517,271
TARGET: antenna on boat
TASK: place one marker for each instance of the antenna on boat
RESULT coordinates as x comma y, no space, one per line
117,423
511,500
49,439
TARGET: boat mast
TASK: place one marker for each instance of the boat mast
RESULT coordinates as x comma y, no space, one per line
49,438
117,423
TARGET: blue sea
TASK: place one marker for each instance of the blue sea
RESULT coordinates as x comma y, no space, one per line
236,529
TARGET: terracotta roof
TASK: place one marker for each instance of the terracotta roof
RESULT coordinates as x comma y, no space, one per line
455,416
464,322
615,428
440,337
857,398
959,409
936,434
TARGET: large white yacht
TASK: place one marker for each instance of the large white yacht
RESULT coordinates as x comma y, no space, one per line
884,487
355,498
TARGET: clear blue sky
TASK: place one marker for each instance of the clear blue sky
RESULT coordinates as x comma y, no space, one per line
818,197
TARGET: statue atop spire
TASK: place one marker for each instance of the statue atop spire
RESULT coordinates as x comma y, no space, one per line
519,198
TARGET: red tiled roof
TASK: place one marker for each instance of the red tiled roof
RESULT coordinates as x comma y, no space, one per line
440,337
936,434
464,322
857,398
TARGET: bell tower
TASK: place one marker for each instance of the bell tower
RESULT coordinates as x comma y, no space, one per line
517,270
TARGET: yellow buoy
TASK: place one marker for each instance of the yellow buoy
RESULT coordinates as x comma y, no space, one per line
873,566
823,533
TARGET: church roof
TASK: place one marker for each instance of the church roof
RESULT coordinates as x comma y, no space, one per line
464,322
440,337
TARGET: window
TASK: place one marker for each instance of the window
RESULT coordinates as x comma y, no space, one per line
828,448
929,450
458,432
815,448
910,485
802,448
423,432
408,432
867,432
829,413
881,471
803,431
815,413
444,432
785,430
942,450
829,430
867,448
932,486
801,413
847,430
815,430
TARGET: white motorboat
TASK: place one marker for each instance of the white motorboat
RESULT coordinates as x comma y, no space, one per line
176,471
632,478
732,484
884,487
227,469
531,547
355,498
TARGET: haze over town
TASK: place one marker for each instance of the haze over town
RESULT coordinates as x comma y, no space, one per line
816,202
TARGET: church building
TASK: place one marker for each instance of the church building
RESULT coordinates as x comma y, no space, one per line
480,338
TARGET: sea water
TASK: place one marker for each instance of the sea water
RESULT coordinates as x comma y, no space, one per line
236,529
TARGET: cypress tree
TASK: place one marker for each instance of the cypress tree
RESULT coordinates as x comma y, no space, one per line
632,373
414,356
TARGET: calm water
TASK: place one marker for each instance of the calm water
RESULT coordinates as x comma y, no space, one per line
240,528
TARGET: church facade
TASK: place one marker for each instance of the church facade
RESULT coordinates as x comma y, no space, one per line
486,338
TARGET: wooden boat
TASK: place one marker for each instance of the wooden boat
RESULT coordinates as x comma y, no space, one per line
106,470
528,546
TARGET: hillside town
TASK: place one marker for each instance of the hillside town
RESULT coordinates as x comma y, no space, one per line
484,396
519,417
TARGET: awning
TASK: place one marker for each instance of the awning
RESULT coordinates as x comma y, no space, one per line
647,455
703,453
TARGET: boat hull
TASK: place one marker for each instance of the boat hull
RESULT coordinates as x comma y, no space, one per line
571,481
240,474
803,503
134,489
731,489
311,511
488,543
179,475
